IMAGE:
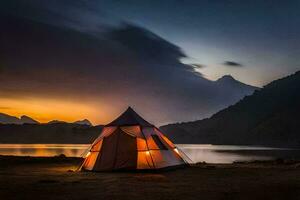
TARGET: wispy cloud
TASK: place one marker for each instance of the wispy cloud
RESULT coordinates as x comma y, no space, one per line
232,64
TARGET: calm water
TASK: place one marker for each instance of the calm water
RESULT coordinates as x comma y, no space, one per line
196,152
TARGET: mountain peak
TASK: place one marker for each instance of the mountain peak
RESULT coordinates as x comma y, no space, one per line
226,78
8,119
83,122
28,120
55,121
230,81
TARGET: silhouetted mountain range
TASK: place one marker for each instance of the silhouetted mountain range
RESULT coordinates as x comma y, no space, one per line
83,122
8,119
80,122
268,117
28,130
48,133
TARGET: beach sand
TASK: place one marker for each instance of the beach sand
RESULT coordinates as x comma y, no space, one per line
53,178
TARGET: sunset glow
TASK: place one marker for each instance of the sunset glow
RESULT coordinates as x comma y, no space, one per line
45,110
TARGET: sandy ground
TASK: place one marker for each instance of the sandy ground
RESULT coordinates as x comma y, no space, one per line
51,178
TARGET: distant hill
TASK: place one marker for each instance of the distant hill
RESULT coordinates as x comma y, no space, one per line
28,120
268,117
48,133
8,119
28,130
83,122
55,121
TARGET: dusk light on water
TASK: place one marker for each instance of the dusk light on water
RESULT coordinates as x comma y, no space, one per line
196,152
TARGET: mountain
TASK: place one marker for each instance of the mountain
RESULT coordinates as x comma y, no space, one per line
229,81
268,117
236,90
83,122
8,119
56,133
27,120
57,122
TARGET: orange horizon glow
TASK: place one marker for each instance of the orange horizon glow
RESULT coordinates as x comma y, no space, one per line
45,110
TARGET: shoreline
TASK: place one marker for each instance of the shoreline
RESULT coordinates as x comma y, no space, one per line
57,178
65,159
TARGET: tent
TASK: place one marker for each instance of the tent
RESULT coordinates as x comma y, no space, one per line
131,143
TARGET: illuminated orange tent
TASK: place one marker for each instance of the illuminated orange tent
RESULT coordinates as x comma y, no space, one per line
129,142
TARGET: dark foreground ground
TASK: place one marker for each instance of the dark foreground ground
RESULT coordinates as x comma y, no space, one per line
52,178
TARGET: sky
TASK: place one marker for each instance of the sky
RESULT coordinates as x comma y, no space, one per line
70,60
262,35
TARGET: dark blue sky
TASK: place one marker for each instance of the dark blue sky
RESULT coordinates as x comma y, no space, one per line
262,35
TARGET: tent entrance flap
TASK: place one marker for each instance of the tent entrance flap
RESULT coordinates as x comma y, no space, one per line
126,157
118,151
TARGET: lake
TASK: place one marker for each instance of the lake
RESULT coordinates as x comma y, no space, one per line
196,152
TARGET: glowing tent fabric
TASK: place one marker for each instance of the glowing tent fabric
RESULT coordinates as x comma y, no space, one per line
130,142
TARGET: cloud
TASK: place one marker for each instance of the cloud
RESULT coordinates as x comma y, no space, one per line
145,43
197,65
232,64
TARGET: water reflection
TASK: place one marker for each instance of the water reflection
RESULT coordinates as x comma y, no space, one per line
196,152
70,150
230,153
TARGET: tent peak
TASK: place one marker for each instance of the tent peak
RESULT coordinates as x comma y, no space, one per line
129,117
130,108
